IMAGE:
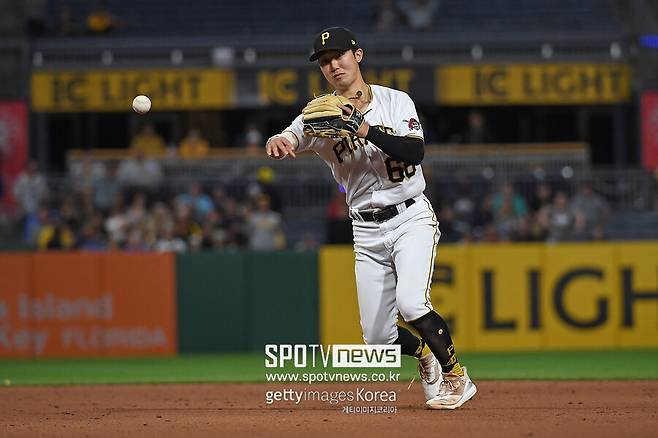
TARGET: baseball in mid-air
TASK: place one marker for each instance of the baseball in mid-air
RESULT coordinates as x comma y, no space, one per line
141,104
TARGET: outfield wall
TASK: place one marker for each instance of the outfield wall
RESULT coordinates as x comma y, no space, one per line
242,301
120,304
495,297
87,304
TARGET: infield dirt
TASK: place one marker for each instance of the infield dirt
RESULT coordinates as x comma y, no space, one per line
501,408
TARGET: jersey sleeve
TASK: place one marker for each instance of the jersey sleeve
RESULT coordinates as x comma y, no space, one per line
304,143
407,123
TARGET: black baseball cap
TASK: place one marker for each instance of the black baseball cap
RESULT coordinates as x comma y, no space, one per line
333,38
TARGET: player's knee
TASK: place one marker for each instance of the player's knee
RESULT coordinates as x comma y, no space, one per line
379,337
411,311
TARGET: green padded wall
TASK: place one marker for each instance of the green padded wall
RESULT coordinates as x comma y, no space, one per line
241,301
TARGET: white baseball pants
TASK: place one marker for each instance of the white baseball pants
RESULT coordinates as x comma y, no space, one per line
394,265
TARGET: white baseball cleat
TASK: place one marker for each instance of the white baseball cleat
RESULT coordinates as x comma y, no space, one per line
430,375
454,391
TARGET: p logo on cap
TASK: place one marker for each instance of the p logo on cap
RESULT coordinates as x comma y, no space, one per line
333,38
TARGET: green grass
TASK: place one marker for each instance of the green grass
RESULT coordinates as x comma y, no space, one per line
249,368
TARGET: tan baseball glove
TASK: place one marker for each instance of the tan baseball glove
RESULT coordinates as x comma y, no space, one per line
323,117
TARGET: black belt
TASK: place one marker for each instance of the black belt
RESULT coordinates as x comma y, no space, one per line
383,214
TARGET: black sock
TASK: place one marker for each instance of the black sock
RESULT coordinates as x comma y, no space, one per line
409,344
434,331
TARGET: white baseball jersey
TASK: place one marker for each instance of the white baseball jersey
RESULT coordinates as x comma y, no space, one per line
393,259
371,178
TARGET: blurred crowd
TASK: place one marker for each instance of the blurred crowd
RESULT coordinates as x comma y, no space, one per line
126,207
549,214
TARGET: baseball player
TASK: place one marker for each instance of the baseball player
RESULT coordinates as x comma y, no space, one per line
371,139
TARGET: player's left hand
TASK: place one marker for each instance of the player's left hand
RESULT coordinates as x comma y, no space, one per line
363,129
331,116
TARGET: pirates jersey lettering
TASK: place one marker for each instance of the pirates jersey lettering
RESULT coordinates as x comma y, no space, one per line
370,177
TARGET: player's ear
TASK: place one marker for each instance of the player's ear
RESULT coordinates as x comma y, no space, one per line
358,55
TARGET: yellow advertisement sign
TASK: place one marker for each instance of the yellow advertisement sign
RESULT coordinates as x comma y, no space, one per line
579,290
520,297
638,300
339,307
114,90
505,297
528,84
291,86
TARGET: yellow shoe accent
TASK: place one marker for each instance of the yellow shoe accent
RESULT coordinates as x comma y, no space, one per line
457,369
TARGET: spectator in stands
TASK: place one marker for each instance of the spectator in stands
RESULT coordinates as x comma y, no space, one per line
529,230
84,173
339,224
265,184
33,225
199,202
484,216
490,234
116,225
419,14
252,137
235,225
265,227
136,214
193,145
30,189
69,212
591,208
158,221
477,131
86,202
167,242
541,197
507,196
507,218
213,236
100,20
186,227
135,241
106,189
92,238
558,219
148,141
388,17
449,233
464,206
139,172
55,234
219,198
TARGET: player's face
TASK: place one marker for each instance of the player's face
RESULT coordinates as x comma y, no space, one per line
340,68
